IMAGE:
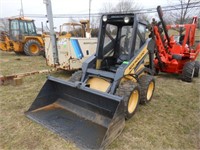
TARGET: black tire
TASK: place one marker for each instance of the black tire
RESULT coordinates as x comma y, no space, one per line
42,52
156,72
32,48
127,89
196,68
147,84
188,71
76,76
43,55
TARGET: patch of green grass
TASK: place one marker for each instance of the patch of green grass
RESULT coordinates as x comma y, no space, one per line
170,121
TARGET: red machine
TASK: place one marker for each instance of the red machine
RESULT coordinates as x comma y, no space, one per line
172,56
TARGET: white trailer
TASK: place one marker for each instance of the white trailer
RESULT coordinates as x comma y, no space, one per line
66,51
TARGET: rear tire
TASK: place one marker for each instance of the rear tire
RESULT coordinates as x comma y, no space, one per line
32,48
196,68
147,84
156,72
130,92
188,71
76,76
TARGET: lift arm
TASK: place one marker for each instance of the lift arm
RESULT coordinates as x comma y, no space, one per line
160,14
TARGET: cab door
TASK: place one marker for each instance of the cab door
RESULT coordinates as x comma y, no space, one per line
14,30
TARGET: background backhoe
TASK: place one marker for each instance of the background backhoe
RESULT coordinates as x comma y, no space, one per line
22,38
90,109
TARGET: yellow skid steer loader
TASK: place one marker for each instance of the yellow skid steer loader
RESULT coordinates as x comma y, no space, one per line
90,109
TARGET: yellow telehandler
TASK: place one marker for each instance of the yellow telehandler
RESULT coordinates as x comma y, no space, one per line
22,37
90,109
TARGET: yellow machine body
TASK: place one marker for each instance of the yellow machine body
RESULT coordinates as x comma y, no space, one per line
17,37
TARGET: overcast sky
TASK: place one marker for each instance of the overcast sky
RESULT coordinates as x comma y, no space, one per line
10,8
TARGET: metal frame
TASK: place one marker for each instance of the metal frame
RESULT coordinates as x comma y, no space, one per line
88,66
171,56
76,108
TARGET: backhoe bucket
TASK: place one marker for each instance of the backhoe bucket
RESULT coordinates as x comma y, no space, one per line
91,119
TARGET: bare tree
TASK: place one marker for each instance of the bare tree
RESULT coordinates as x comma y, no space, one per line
94,22
107,8
186,11
4,24
183,13
124,6
127,6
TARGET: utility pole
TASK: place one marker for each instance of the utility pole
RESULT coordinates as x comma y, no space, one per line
89,9
52,32
88,32
21,10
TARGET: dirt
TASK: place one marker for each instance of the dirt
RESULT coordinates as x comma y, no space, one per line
4,60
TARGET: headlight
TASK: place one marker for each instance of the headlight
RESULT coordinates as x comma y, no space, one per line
105,18
126,19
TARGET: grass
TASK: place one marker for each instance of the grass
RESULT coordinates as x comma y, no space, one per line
11,63
170,121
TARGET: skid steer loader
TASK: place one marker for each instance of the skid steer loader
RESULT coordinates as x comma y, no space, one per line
90,109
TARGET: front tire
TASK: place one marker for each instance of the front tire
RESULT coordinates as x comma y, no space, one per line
196,68
130,91
188,71
76,76
147,84
32,48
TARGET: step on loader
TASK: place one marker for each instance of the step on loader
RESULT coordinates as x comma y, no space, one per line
91,108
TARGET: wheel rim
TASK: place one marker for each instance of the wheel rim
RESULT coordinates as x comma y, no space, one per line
34,48
133,101
150,90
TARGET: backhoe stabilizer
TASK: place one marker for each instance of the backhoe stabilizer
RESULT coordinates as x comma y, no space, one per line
90,119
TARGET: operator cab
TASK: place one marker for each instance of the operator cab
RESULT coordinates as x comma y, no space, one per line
20,27
121,37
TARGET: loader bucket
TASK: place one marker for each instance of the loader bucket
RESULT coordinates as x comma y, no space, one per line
90,119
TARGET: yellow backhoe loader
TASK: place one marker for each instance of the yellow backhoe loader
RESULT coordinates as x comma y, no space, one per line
22,38
91,108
